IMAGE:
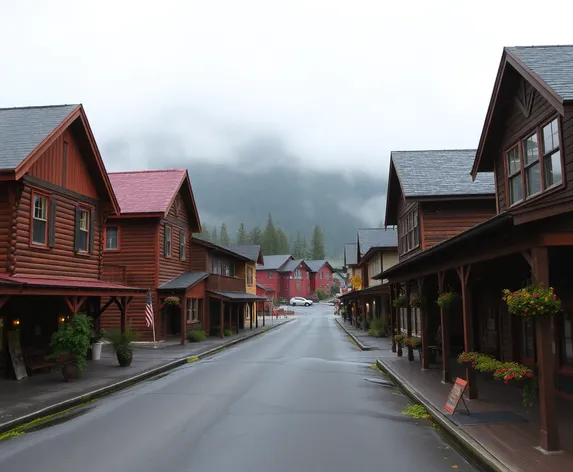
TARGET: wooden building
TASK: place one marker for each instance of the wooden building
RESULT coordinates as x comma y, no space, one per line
148,242
268,274
321,275
527,145
54,197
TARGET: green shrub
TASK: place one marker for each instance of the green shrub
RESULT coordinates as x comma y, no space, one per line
227,332
196,336
377,327
121,342
321,294
73,338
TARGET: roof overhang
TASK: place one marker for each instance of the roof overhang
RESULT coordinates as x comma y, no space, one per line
508,59
393,193
220,249
165,286
235,296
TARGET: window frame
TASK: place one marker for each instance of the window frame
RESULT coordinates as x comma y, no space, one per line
270,274
105,248
542,156
165,241
182,245
250,276
46,197
409,231
88,211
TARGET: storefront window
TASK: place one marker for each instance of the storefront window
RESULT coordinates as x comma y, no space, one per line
566,340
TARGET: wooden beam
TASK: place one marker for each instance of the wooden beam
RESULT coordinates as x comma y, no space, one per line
398,321
222,320
238,315
558,239
3,301
123,318
252,311
392,319
107,305
526,253
463,274
549,434
445,333
423,322
71,304
183,329
409,320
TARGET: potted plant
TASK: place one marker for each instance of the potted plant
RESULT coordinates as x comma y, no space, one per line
97,345
399,339
416,301
446,299
172,300
400,302
70,345
532,301
121,343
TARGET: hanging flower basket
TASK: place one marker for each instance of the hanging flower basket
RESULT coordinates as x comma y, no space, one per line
399,339
413,342
532,301
446,299
172,301
416,301
400,302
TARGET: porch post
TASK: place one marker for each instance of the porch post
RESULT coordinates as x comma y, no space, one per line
184,320
238,314
423,323
257,315
222,320
398,322
253,313
409,320
445,333
123,317
392,320
270,308
549,434
464,274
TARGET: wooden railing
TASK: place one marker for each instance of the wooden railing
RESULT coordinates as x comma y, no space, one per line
221,283
114,273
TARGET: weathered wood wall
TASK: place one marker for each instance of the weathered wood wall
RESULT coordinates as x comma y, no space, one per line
6,212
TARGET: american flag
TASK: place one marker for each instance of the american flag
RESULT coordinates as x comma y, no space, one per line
149,310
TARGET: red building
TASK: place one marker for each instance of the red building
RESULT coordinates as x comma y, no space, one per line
321,276
268,275
286,276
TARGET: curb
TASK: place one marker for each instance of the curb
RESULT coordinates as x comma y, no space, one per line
471,446
355,339
103,391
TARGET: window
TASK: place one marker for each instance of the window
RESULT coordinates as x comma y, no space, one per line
83,230
189,314
551,155
297,274
321,276
566,340
307,276
167,242
408,232
222,267
182,246
328,276
270,274
249,276
527,176
112,238
40,221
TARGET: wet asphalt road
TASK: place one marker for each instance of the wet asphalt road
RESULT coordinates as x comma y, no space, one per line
293,399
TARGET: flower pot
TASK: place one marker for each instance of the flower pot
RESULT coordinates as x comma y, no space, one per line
125,357
96,350
70,372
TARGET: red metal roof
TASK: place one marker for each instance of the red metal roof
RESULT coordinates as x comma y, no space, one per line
63,283
148,191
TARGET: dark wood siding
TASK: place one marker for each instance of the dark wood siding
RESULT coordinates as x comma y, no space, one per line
137,254
60,260
69,172
198,260
513,126
403,208
5,224
442,220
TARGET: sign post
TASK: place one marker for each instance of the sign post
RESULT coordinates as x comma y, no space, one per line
455,395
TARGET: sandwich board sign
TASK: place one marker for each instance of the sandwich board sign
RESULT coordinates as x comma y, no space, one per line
455,395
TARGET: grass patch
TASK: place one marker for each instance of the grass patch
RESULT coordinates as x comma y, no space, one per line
192,359
415,410
20,430
196,336
227,332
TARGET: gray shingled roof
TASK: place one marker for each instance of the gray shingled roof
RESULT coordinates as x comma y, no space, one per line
376,237
23,129
552,64
273,262
184,281
316,265
239,295
251,252
350,254
440,173
291,265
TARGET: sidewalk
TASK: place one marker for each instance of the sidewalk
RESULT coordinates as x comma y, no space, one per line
361,337
498,433
47,393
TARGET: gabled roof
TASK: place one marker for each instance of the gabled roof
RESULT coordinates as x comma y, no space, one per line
376,238
436,174
316,265
548,69
219,249
292,265
274,262
184,281
152,192
26,132
252,252
350,254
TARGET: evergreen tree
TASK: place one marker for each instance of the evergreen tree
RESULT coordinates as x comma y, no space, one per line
224,239
317,244
304,253
205,234
282,242
242,236
297,247
270,238
214,235
256,236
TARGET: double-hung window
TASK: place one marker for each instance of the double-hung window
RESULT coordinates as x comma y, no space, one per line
409,233
552,155
83,230
182,246
40,221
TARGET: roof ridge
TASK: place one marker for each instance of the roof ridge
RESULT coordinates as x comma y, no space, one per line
147,171
434,150
41,106
533,46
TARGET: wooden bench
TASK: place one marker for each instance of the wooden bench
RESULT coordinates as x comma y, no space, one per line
38,361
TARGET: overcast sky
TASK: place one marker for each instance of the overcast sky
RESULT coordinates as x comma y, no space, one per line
339,83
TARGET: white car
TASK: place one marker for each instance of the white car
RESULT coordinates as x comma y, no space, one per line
294,301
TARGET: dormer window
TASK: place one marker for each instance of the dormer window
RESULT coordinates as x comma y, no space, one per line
527,176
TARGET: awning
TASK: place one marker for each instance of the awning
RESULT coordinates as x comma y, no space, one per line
184,281
85,287
236,296
382,289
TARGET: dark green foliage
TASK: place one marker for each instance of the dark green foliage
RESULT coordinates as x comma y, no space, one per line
214,235
121,342
317,244
282,242
242,237
73,338
224,239
196,336
256,236
321,294
270,242
227,332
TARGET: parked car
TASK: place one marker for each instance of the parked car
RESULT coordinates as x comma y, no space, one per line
294,301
